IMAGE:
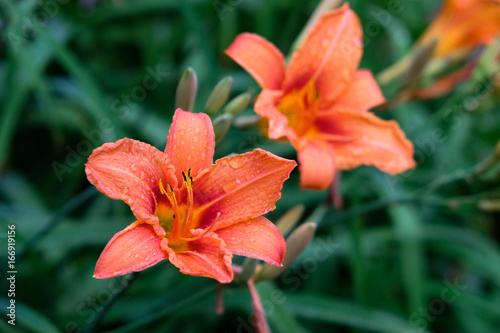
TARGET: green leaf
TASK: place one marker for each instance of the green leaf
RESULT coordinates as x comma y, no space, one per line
347,313
29,318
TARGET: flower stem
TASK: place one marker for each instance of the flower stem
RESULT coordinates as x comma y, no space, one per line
259,317
57,218
127,281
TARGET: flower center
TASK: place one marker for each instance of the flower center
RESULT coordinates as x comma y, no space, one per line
178,222
299,107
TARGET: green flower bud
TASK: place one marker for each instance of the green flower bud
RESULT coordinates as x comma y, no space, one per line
186,90
219,96
249,266
243,122
221,126
489,205
238,104
288,220
295,245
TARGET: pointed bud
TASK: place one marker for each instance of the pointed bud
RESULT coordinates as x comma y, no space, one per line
186,90
421,56
243,122
489,205
221,126
248,269
288,220
295,245
219,96
238,104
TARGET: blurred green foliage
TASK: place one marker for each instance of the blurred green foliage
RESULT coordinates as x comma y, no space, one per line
408,253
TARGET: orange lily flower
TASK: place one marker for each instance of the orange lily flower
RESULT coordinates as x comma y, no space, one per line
459,27
319,101
463,25
190,211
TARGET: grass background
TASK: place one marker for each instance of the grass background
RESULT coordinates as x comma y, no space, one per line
412,253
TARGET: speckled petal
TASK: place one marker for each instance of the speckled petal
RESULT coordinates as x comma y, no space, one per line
330,55
207,256
374,141
190,143
362,93
130,250
129,170
316,165
240,187
257,238
260,58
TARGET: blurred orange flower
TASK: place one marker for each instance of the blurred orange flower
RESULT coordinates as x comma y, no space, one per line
463,25
319,101
459,27
188,210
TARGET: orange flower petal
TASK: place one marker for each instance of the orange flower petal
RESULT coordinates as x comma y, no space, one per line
374,141
260,58
278,123
330,55
207,256
131,250
129,170
240,187
190,143
463,24
362,93
316,165
257,238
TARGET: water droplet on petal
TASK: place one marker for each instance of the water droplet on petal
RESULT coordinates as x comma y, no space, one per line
231,185
237,162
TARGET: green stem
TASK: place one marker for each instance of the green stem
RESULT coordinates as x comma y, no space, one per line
195,294
445,180
357,260
57,218
127,281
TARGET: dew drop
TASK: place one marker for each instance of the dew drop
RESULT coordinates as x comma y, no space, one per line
230,185
147,258
237,163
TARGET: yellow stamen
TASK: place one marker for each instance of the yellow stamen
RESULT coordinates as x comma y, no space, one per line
188,182
169,193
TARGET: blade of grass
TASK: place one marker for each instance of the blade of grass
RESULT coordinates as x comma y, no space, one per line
29,318
346,313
